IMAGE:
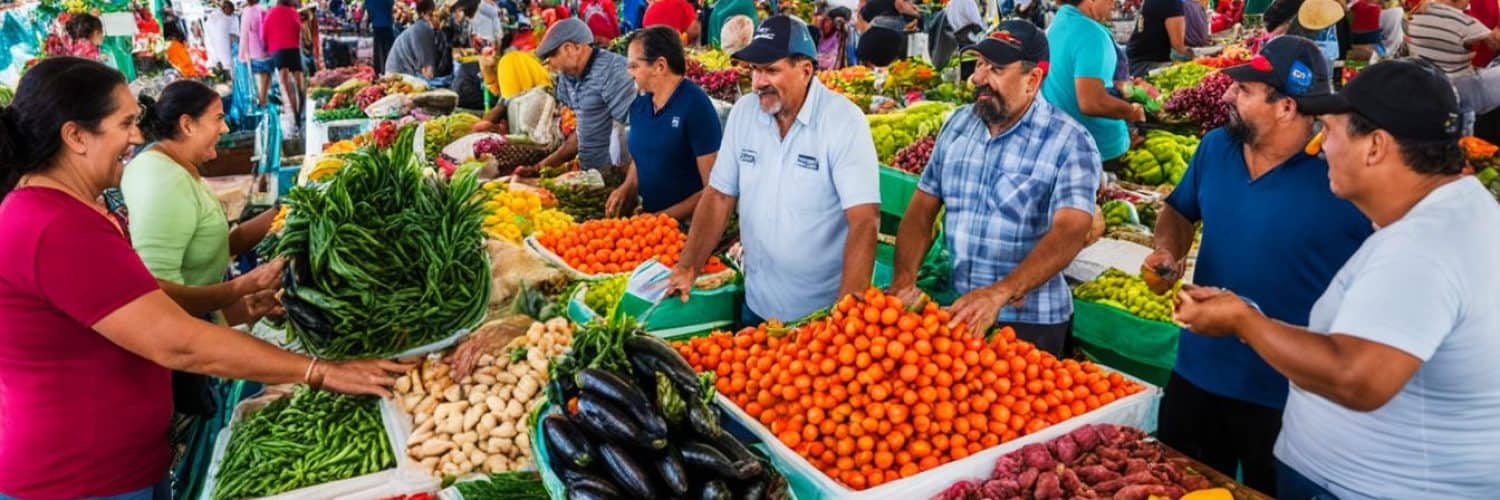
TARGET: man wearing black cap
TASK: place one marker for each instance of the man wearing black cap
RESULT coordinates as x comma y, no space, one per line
1393,381
1273,232
799,161
1018,178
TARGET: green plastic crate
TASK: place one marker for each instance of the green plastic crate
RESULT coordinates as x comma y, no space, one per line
1143,348
704,311
896,188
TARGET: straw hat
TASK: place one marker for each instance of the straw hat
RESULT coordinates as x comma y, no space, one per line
1319,14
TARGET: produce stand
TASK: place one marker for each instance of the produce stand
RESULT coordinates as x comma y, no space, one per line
1141,348
1236,489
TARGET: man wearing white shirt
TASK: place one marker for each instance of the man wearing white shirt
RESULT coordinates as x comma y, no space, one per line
221,26
1393,382
486,25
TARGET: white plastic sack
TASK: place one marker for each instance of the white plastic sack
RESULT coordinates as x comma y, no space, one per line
387,107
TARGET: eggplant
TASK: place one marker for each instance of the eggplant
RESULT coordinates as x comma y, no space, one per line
715,490
704,457
577,478
704,419
591,492
777,488
608,422
627,473
669,468
566,441
657,356
308,319
755,488
743,460
625,395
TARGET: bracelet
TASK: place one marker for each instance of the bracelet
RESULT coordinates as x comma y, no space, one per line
307,375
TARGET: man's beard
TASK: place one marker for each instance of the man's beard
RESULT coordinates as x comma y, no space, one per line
770,91
1242,131
993,110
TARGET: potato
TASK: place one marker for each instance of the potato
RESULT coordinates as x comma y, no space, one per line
430,464
519,369
487,360
505,378
495,404
465,467
525,389
403,384
475,397
536,359
478,457
496,464
486,422
451,469
506,430
428,405
453,394
466,438
484,378
507,446
472,416
514,410
522,441
434,447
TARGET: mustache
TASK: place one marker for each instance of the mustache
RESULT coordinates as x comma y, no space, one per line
765,91
984,90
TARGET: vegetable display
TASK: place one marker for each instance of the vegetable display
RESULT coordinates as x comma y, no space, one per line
1179,76
514,214
896,130
383,260
478,423
443,130
604,295
1162,159
336,114
635,422
504,486
583,202
878,391
1203,103
913,159
1092,461
619,245
307,438
1129,293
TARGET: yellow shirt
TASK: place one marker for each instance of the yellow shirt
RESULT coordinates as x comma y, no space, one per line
517,72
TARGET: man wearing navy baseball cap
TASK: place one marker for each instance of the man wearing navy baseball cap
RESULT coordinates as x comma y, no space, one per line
1393,392
799,162
1018,178
1273,232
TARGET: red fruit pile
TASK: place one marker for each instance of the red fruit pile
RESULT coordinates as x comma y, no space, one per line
368,96
913,158
1203,104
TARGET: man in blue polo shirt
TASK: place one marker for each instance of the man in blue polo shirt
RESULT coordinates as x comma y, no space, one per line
674,130
800,164
1273,232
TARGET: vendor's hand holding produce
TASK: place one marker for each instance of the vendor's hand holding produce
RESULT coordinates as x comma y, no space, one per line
1130,293
878,391
1161,271
305,439
478,422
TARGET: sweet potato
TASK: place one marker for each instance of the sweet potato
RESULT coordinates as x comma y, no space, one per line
1065,449
1028,478
1048,487
1095,474
1036,456
1141,492
1085,437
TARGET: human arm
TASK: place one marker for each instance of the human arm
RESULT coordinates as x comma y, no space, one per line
859,247
1177,34
623,195
567,151
913,240
709,220
202,300
244,236
684,209
1094,100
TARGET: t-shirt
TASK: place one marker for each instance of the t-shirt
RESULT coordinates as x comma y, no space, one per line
380,12
282,29
675,13
415,48
176,222
600,16
600,97
1276,240
1424,285
79,415
1195,18
252,48
1441,34
1149,42
666,144
1086,50
878,8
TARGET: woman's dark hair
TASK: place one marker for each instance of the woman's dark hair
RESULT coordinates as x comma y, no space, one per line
1425,157
289,3
425,7
661,42
183,97
56,91
172,31
83,26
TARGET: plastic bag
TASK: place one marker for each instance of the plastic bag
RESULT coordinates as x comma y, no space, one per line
387,107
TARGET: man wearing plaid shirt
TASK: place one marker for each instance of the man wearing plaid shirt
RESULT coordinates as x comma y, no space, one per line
1018,178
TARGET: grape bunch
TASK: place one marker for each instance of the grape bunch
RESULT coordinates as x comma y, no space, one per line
368,96
1203,104
913,158
723,84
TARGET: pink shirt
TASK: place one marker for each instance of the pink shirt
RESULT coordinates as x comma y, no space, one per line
282,29
252,48
79,415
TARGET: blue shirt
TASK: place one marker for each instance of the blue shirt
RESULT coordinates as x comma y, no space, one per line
1277,240
1088,51
1001,194
793,192
666,144
379,12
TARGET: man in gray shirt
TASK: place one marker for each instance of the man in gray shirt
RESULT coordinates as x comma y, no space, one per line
415,51
596,86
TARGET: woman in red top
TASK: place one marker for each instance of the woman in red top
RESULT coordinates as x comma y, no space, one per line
678,14
282,33
87,339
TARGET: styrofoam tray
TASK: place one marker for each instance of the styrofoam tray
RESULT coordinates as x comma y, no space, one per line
1137,410
404,476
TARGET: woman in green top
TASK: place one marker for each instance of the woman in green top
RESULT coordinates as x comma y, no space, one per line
176,222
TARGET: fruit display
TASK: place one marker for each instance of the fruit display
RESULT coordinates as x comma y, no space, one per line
477,422
896,130
1179,76
913,159
1141,92
1162,159
568,121
368,96
1119,213
632,420
304,439
439,132
854,82
957,93
879,390
1130,293
336,114
603,295
906,75
723,84
619,245
1204,103
333,77
325,168
712,59
1092,461
514,214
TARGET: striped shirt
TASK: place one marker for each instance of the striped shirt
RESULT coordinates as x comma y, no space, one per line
1441,34
1001,194
600,97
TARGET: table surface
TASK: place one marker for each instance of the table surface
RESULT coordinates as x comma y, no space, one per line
1240,491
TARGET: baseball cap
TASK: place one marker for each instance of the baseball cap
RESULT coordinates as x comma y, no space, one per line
567,30
777,38
1292,65
1011,41
1411,100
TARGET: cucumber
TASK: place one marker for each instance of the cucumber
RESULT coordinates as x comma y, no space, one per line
566,441
715,490
672,473
604,421
656,356
623,394
704,457
629,475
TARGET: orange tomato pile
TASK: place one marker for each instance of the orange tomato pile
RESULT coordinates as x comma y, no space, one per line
619,245
877,392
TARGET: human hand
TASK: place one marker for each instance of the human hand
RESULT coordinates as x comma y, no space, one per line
979,308
617,200
907,292
681,282
265,277
1161,271
489,339
481,126
363,377
1138,113
264,304
1211,311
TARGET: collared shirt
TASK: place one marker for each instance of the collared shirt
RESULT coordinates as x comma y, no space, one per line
600,97
665,144
1001,193
792,196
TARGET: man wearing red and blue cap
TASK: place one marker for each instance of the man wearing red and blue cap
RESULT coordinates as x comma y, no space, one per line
1018,178
1393,378
1272,232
